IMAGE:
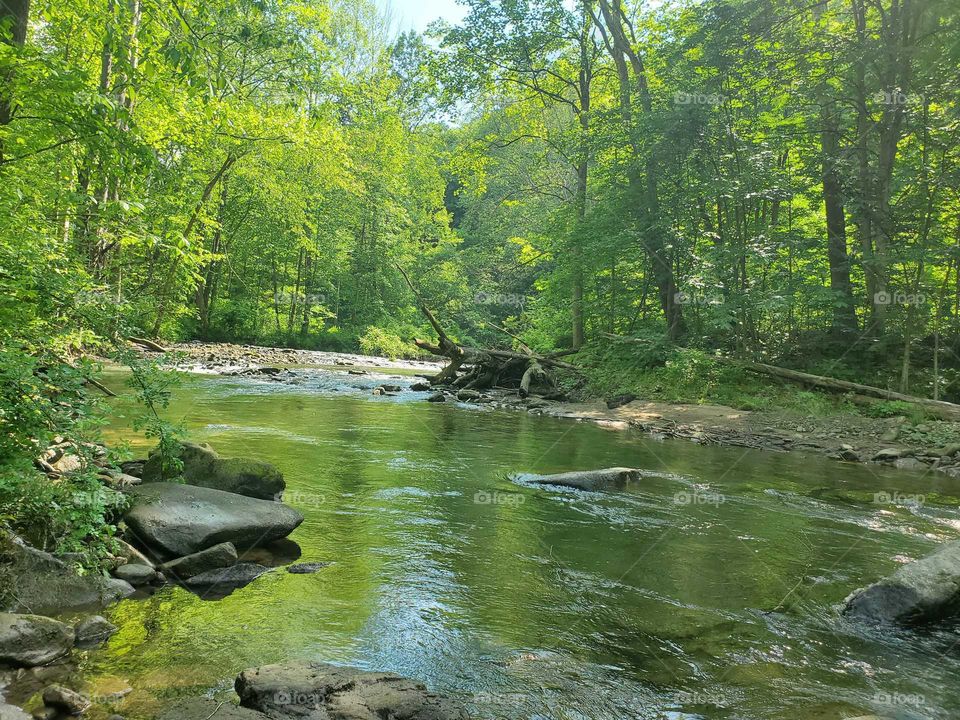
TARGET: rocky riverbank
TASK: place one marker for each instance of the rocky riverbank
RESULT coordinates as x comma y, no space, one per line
928,446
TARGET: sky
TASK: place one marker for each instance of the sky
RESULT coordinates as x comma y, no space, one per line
417,14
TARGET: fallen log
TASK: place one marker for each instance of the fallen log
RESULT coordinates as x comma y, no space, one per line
487,368
148,344
938,408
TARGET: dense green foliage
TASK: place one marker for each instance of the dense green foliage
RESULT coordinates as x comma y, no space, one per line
766,179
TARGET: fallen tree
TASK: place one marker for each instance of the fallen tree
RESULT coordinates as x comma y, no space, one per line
936,408
472,368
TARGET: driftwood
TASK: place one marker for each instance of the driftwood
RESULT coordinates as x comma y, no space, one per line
472,368
148,344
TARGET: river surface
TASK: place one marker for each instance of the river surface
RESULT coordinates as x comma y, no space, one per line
708,590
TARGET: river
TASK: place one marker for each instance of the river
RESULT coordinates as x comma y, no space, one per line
707,590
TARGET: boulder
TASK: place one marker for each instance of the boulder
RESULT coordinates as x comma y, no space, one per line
65,700
422,386
307,568
233,577
129,553
136,574
174,520
206,708
44,584
11,712
924,590
437,398
204,468
319,690
93,631
31,640
468,395
616,477
133,467
219,556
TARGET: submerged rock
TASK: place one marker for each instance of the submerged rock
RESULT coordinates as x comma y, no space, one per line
202,467
93,631
616,477
175,520
41,583
233,577
319,690
206,708
219,556
31,640
924,590
307,568
65,700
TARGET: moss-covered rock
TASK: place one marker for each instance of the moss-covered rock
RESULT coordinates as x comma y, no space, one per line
202,467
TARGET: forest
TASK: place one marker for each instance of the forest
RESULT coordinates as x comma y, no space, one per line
729,221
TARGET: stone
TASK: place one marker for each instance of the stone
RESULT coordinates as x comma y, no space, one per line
468,395
921,591
44,584
174,520
619,400
233,577
203,467
888,454
133,467
129,553
65,700
319,690
616,477
206,708
31,640
909,463
437,398
93,631
10,712
135,574
422,386
307,568
219,556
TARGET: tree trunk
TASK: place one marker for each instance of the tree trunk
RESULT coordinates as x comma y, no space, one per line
15,15
844,311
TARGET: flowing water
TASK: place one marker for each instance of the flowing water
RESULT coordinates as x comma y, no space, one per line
708,590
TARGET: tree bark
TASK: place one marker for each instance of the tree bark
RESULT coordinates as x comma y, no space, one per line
14,14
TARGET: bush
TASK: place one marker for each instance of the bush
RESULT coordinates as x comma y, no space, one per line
376,341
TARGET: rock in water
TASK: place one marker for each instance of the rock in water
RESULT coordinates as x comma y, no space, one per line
229,578
207,708
616,477
306,568
65,700
204,468
136,574
31,640
437,397
93,631
921,591
176,520
319,690
45,584
219,556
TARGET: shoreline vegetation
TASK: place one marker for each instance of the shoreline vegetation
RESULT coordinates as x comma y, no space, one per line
735,222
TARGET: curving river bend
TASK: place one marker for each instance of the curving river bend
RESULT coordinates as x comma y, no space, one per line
706,591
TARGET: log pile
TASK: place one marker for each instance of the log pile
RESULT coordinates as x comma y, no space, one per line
472,368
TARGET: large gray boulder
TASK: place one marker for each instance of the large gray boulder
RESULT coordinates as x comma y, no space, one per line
608,478
319,690
204,468
219,556
924,590
41,583
31,640
174,520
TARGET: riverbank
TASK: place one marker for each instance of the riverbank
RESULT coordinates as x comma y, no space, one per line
899,441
